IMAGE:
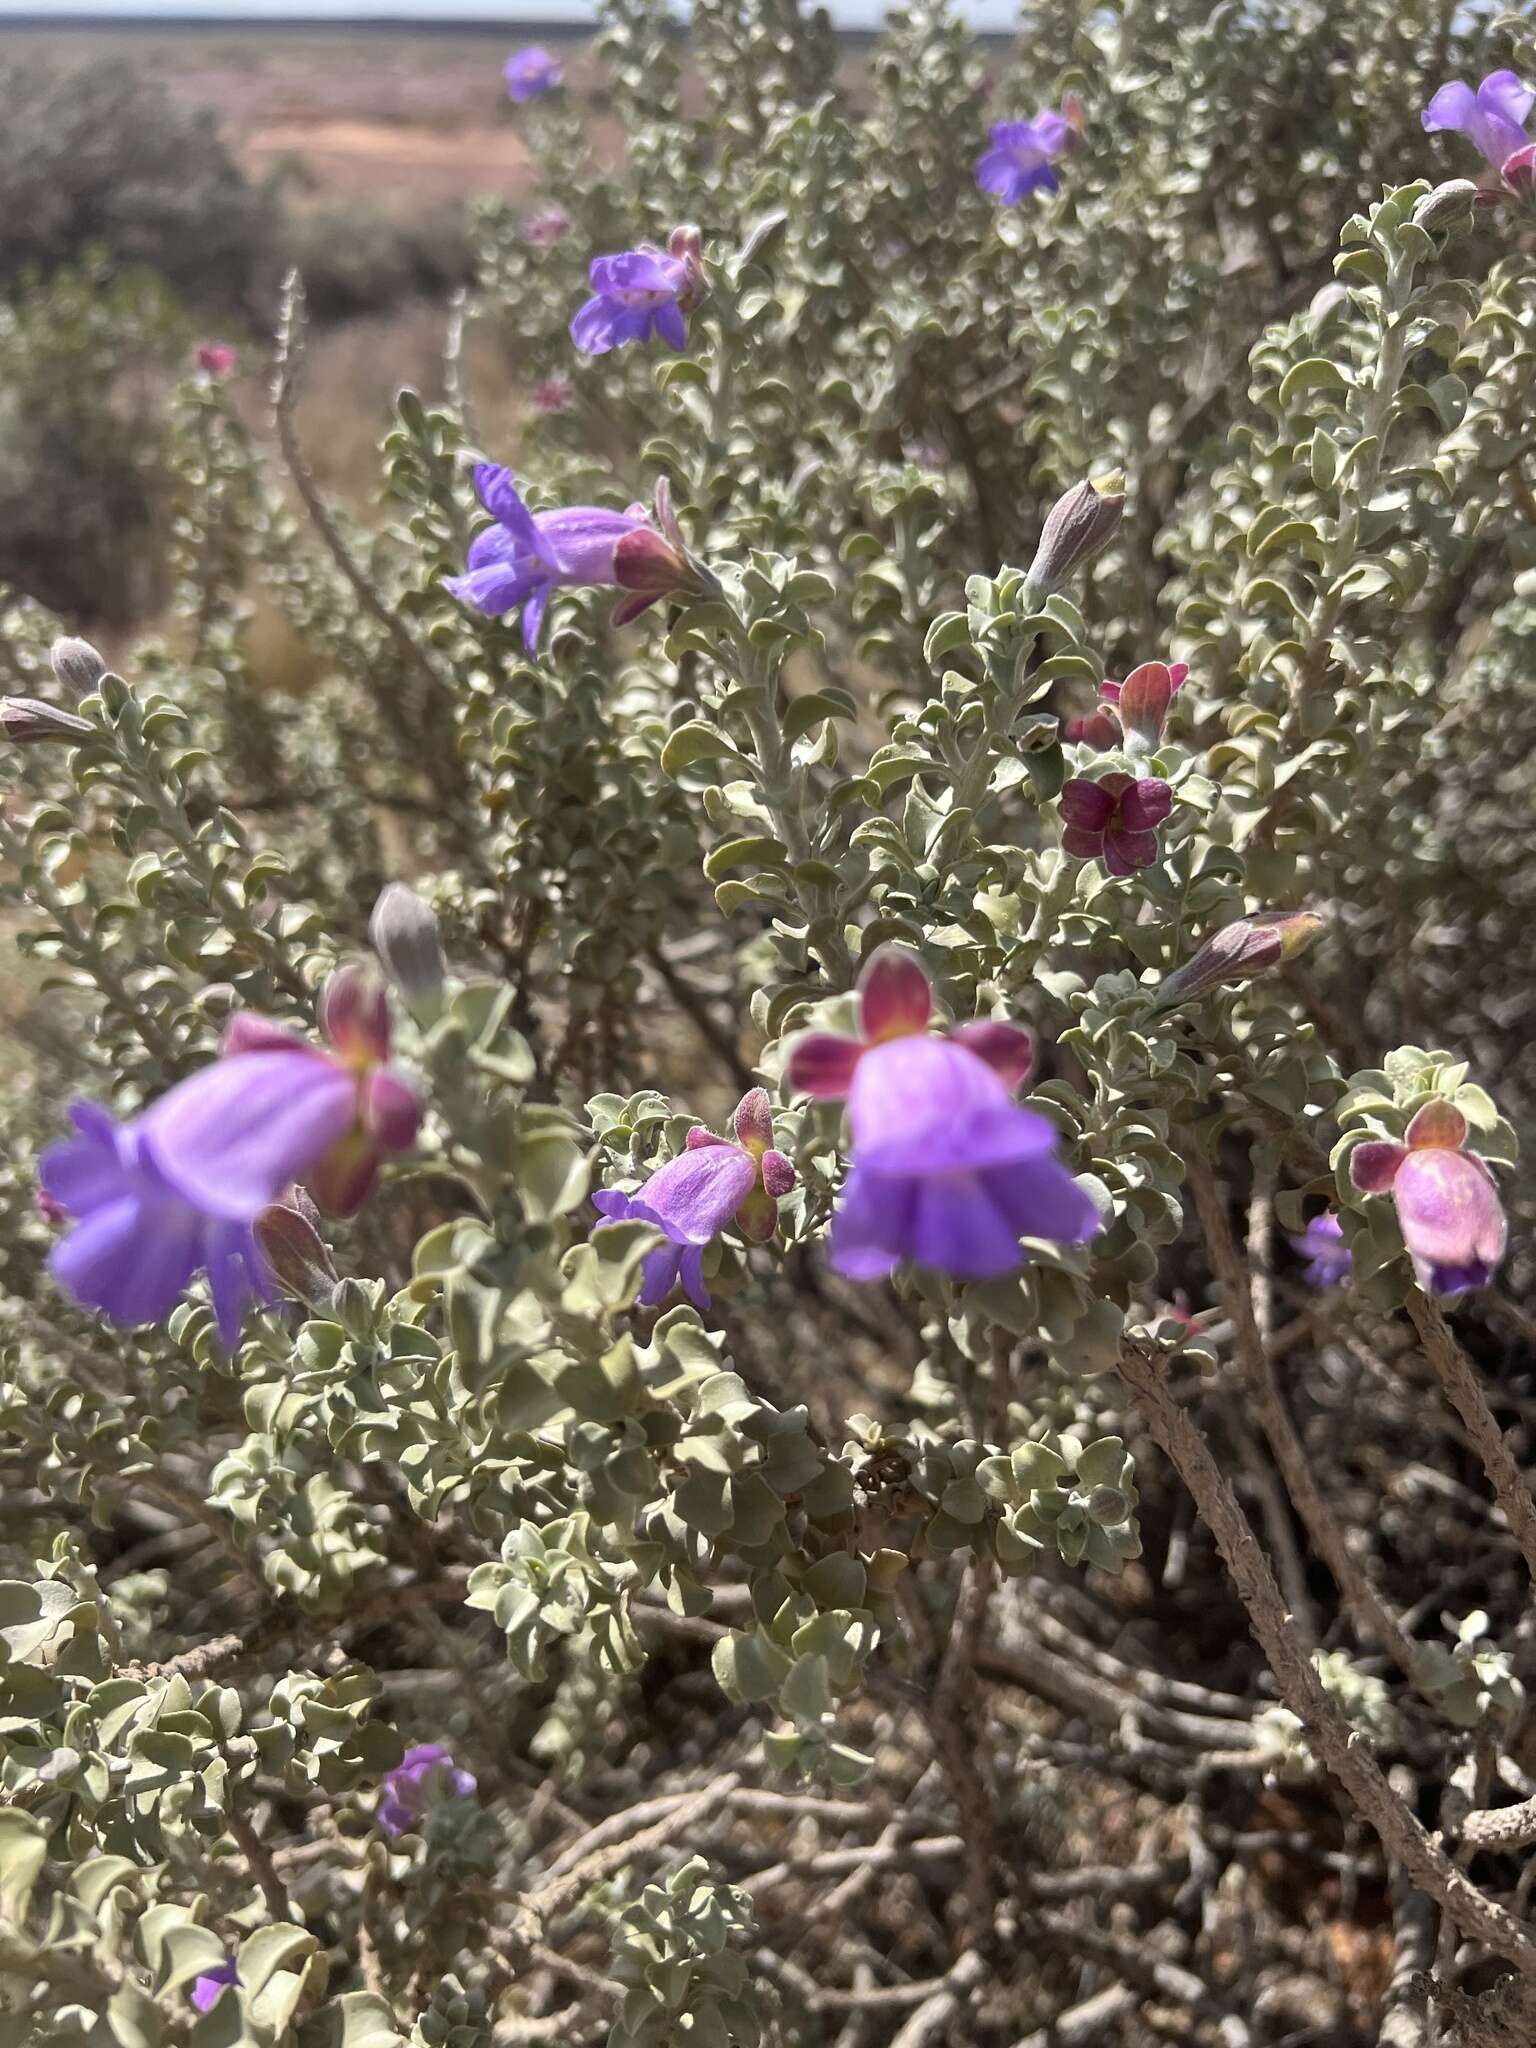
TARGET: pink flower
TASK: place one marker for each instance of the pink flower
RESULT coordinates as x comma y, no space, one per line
1115,819
1133,712
216,358
553,394
544,230
1448,1205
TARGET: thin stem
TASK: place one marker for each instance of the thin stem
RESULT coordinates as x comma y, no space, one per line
1466,1396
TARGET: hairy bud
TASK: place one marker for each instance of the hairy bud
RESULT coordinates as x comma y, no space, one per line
28,722
404,934
1077,527
1447,206
77,665
289,1236
1239,951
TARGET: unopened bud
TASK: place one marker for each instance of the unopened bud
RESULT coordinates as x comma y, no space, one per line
288,1235
77,665
1239,951
404,935
28,721
1077,527
686,243
1447,205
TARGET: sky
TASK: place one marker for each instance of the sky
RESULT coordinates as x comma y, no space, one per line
504,13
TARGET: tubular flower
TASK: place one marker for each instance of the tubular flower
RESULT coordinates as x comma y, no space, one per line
1492,118
531,73
1135,710
525,556
1115,819
1328,1258
177,1189
1448,1206
946,1170
210,1987
1020,155
691,1199
423,1775
640,293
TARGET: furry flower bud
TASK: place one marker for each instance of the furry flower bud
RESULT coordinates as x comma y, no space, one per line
1077,527
1447,205
288,1235
1240,950
404,935
77,665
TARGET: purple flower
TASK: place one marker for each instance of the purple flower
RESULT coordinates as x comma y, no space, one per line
527,555
693,1197
553,394
946,1169
1328,1257
1447,1202
424,1774
210,1987
544,230
1019,159
1115,819
215,358
176,1190
642,292
1492,118
531,73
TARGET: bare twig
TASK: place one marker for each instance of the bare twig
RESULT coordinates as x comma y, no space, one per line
1465,1394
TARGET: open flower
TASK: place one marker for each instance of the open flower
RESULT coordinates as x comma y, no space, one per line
531,73
1115,819
946,1168
1019,158
215,358
177,1189
527,555
1448,1206
210,1987
1492,118
553,394
1133,712
640,293
424,1774
1328,1258
715,1181
543,230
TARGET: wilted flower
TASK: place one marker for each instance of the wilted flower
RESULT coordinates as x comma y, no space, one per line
215,358
693,1197
1328,1257
642,292
176,1190
1019,159
424,1774
212,1984
29,722
1081,523
527,555
1492,118
1115,819
543,230
946,1168
1240,950
531,73
1448,1205
553,394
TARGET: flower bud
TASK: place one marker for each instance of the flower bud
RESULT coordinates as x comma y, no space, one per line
28,721
403,932
77,665
1077,527
1240,950
290,1241
1448,205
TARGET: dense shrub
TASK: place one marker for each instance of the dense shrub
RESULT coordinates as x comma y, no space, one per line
1040,1553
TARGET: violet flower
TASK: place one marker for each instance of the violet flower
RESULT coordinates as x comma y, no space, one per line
1115,819
946,1170
177,1189
715,1181
1328,1258
210,1987
1492,118
544,230
531,73
640,293
423,1775
525,556
1448,1206
1019,159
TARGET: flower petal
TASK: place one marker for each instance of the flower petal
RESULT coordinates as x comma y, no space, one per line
1449,1210
1085,805
1438,1123
895,995
1144,806
233,1135
927,1106
1452,107
697,1194
821,1063
872,1226
1373,1167
1008,1049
